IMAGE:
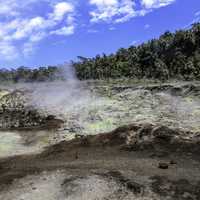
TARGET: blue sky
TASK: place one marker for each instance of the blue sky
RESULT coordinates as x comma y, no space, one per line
47,32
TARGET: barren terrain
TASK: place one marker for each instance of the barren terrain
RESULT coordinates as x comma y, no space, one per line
100,140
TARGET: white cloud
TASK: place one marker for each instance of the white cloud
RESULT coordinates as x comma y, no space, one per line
20,34
64,31
61,9
12,8
134,42
147,26
92,31
156,3
28,49
8,51
119,11
25,28
197,13
112,10
112,28
8,7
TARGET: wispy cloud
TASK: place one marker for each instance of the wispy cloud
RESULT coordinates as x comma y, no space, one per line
147,26
112,28
196,19
92,31
197,13
150,4
134,42
112,10
119,11
27,30
66,30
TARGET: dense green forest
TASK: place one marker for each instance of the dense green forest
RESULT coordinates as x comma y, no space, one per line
24,74
171,56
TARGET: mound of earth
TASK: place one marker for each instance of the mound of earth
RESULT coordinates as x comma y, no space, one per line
137,161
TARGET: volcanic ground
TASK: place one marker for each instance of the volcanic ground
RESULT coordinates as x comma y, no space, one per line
100,140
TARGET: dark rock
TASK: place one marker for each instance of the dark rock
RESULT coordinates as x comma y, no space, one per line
50,117
163,166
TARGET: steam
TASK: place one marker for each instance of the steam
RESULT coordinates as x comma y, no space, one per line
68,71
61,96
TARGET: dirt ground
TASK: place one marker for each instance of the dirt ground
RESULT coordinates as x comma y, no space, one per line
129,142
107,166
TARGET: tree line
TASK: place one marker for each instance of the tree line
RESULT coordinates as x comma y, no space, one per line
171,56
25,74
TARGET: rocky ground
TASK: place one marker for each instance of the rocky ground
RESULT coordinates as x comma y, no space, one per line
16,112
117,141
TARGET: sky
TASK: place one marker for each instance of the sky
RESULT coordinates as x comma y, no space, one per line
37,33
